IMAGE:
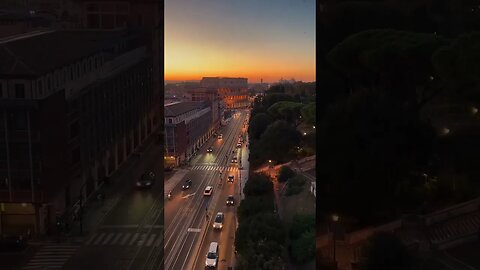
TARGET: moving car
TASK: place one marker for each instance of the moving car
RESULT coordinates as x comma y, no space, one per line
234,160
208,191
230,200
220,136
218,223
146,180
187,184
210,150
239,144
230,178
212,255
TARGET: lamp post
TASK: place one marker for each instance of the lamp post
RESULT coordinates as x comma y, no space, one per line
335,219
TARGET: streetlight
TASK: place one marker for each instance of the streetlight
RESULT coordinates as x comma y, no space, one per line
313,127
304,133
335,219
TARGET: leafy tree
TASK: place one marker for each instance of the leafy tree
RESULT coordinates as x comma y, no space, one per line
285,174
367,145
253,205
258,184
295,185
397,62
286,110
309,113
385,251
271,98
301,224
261,227
303,248
458,65
277,141
258,124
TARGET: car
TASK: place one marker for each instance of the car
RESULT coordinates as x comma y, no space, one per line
218,222
212,255
239,145
210,150
230,200
12,243
208,191
187,184
220,136
230,178
234,160
146,180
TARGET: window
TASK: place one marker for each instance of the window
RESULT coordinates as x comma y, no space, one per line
19,90
75,155
74,130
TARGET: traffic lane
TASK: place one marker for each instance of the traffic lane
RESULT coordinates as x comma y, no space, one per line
225,237
135,203
190,213
180,197
185,240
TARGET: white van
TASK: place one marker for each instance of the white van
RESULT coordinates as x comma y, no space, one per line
212,255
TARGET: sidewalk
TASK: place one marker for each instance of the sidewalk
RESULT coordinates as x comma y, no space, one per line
174,180
95,210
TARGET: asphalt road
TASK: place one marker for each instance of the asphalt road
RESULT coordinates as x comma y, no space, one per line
189,214
131,235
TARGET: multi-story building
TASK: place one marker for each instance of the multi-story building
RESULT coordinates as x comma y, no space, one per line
211,96
187,128
74,105
232,91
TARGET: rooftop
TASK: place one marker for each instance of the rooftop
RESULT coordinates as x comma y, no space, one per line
179,108
39,54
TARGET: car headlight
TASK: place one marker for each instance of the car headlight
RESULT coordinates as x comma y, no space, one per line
148,183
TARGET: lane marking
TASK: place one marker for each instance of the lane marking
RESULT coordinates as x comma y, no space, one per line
99,239
194,230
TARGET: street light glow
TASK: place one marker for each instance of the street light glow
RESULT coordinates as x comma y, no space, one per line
335,217
304,133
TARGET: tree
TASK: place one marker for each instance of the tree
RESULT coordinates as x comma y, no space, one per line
286,110
385,251
301,224
258,184
285,174
277,141
367,146
253,205
397,62
258,124
303,248
458,65
309,113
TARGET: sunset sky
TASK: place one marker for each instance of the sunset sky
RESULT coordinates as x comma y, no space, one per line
256,39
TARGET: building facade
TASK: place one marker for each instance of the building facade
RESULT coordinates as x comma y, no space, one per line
188,125
69,119
233,92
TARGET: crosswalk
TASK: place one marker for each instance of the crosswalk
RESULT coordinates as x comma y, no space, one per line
124,239
215,168
51,257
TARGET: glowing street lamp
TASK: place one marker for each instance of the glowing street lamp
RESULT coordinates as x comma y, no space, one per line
304,133
335,219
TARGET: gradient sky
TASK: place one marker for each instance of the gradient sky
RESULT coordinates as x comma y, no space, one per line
256,39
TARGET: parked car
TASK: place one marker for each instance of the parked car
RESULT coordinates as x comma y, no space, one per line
12,243
230,178
210,150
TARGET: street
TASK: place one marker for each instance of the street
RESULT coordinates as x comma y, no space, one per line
189,214
131,234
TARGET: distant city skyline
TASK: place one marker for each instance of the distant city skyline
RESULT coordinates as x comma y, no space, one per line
258,40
